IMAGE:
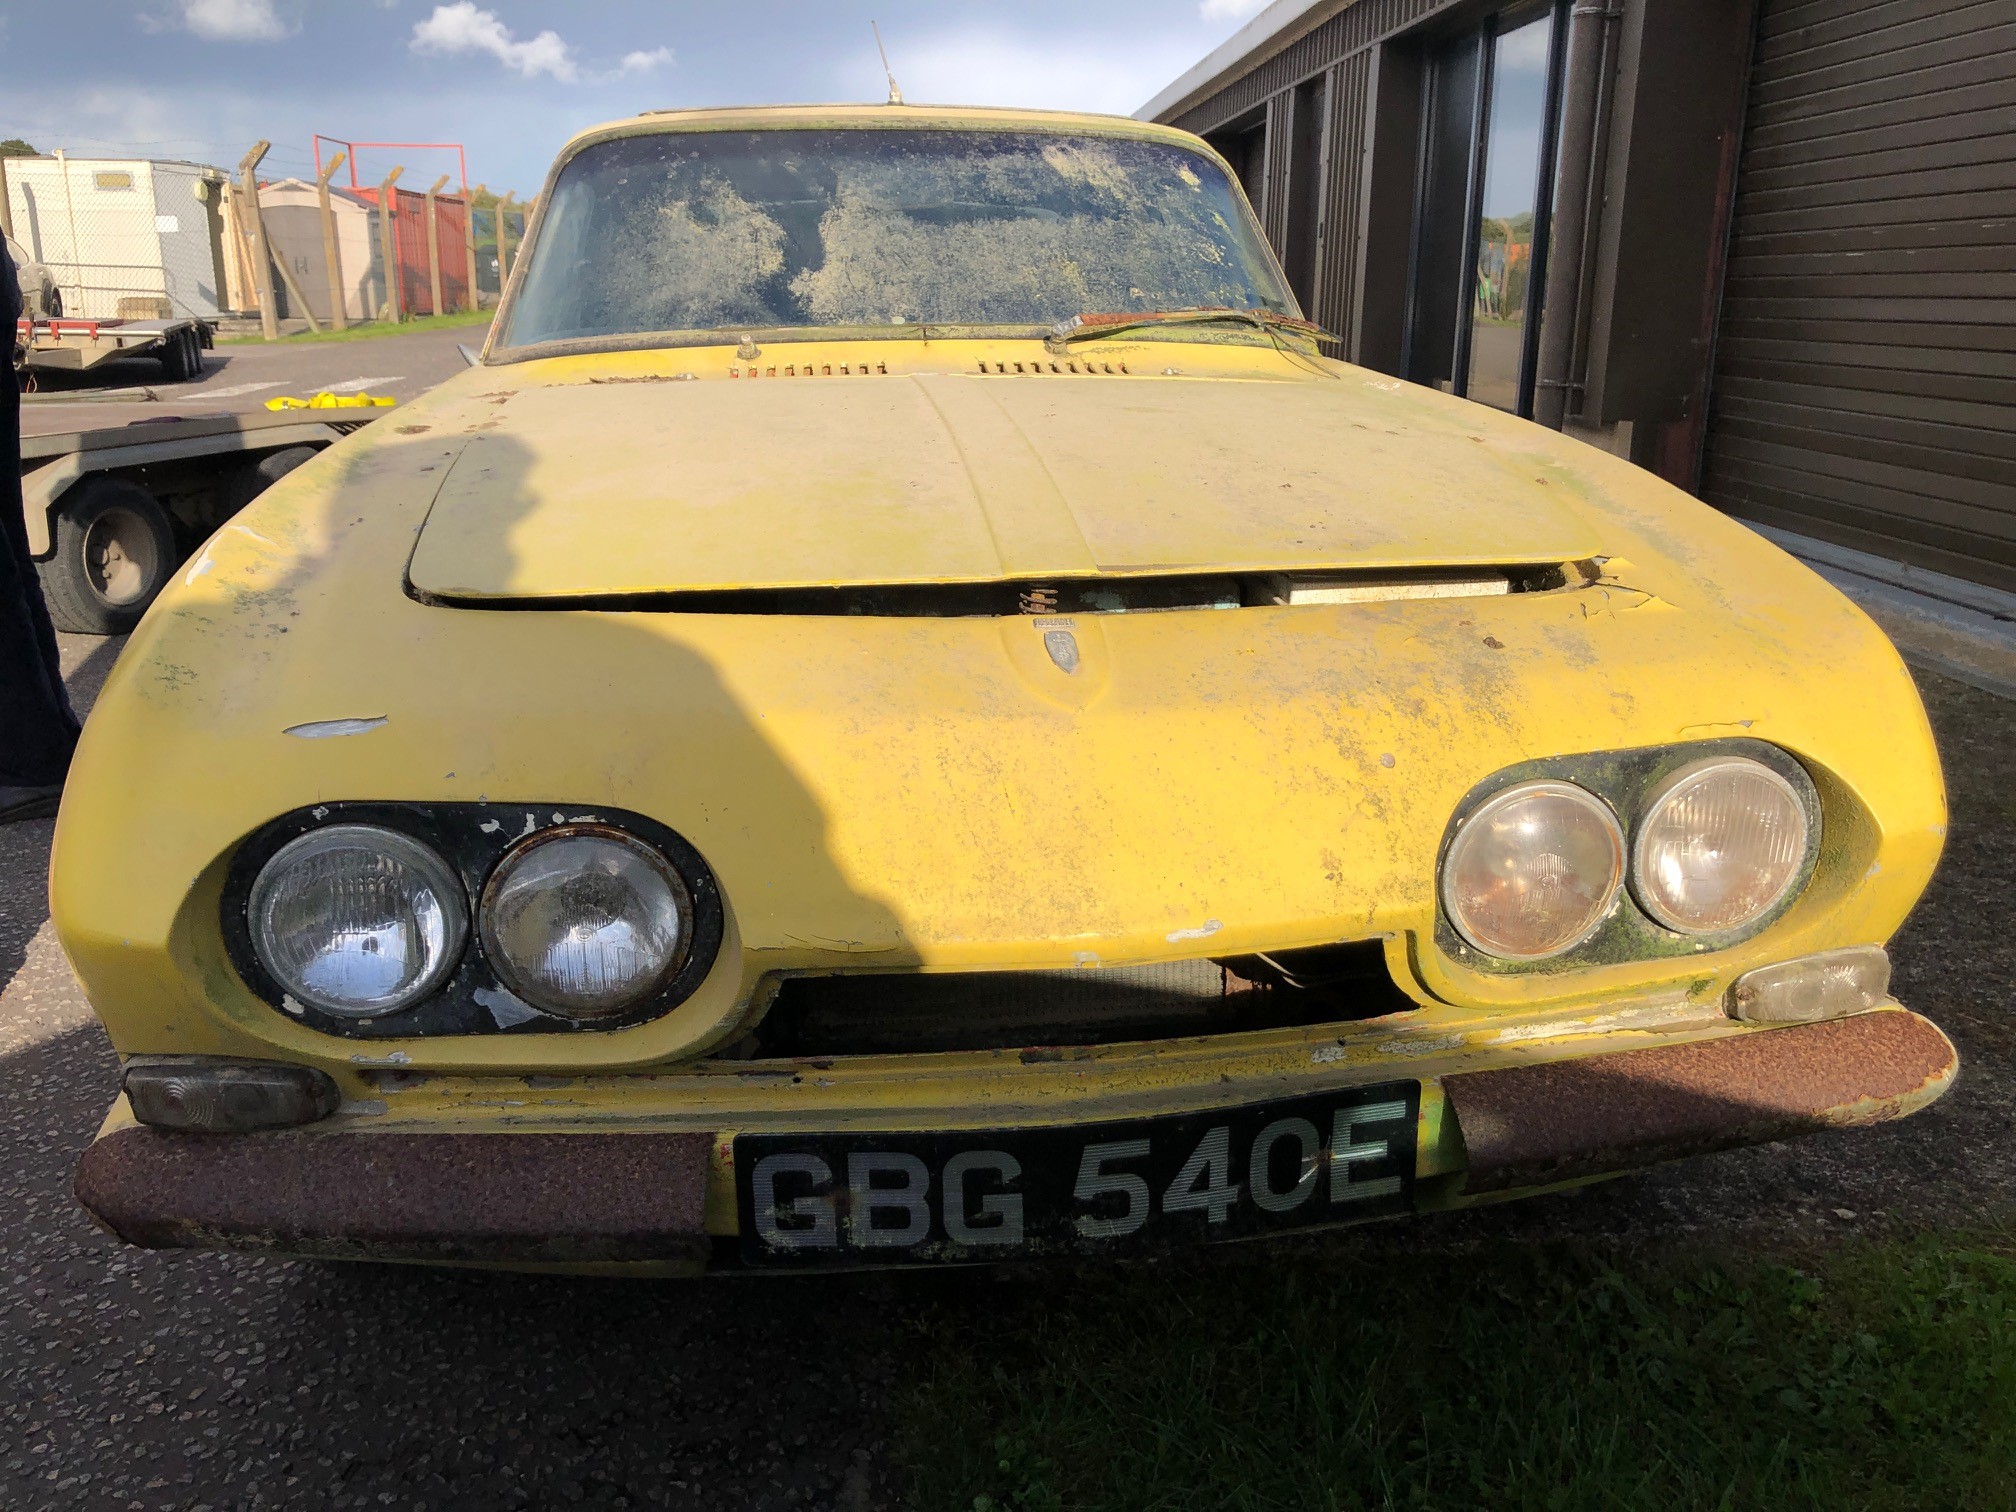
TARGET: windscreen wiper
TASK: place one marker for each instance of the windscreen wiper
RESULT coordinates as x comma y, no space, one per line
1089,326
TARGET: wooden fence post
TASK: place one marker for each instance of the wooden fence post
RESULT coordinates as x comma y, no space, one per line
469,241
238,276
295,293
262,262
388,240
337,297
434,246
503,242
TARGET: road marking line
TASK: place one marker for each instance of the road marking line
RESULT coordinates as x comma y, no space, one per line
358,385
230,391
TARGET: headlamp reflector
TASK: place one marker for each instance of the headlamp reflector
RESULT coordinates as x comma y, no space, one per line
357,920
1721,843
586,921
1533,871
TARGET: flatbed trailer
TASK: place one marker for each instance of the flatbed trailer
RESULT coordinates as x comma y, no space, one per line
111,513
67,345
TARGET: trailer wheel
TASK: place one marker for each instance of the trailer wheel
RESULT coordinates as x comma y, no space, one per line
254,478
182,357
115,548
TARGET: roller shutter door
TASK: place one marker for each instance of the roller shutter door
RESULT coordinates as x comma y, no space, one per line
1865,385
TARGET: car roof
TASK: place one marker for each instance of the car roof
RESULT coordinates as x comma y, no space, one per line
882,117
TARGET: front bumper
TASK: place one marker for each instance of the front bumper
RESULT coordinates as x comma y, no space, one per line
549,1188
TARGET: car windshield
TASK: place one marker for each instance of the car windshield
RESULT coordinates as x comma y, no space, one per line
673,232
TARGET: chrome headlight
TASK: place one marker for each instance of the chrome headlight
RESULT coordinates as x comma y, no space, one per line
586,922
1721,843
356,920
1533,871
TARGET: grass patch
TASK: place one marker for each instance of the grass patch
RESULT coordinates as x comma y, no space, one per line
1880,1376
372,328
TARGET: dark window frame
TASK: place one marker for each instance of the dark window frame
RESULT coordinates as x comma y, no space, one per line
1441,48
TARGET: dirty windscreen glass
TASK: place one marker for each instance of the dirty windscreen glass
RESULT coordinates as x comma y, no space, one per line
707,231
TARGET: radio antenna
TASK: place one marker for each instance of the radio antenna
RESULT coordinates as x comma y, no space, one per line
895,94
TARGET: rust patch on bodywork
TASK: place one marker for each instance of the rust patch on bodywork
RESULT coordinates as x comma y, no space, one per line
1535,1125
551,1197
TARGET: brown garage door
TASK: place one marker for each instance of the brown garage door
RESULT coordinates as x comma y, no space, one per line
1865,387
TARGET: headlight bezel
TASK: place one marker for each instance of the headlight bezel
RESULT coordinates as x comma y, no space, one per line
1627,781
472,838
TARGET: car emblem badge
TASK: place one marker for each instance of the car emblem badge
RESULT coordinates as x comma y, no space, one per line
1063,648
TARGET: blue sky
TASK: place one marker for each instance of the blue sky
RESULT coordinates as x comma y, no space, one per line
512,79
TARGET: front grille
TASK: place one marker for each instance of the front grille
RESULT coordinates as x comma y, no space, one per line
915,1013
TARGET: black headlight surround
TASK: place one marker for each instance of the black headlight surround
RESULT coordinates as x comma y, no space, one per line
472,838
1626,780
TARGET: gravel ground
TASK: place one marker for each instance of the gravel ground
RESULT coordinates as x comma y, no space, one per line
131,1379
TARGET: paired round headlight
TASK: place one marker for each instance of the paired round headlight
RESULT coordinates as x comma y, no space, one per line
586,922
1721,843
1534,871
358,921
583,922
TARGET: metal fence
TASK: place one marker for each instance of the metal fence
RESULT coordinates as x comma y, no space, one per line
124,239
137,239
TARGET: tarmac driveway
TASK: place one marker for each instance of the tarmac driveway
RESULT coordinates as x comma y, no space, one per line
242,377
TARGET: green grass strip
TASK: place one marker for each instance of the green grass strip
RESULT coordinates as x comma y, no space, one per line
1878,1376
371,329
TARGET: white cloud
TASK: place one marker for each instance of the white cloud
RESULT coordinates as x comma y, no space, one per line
1229,10
462,28
1525,49
233,20
644,62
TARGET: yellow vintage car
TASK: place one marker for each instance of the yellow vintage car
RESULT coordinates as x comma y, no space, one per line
905,712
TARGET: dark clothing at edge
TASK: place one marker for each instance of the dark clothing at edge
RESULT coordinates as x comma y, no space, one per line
37,730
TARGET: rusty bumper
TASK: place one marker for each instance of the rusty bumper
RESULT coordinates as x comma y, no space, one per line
629,1197
524,1197
1536,1125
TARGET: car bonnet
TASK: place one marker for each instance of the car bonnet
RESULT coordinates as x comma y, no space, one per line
853,476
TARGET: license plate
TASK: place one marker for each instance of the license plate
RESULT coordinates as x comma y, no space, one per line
1078,1189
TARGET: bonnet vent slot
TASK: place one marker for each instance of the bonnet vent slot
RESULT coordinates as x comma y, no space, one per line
1051,365
808,370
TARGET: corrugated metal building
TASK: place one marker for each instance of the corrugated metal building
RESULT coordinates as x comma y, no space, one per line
411,254
1766,248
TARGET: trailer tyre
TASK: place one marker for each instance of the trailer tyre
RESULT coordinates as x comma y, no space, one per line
254,478
115,547
182,357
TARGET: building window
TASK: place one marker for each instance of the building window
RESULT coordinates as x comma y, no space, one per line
1490,122
1243,144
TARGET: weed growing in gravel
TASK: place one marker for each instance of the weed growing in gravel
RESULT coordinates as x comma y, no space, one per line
1882,1376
